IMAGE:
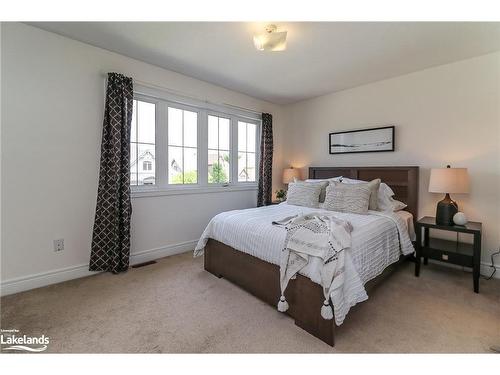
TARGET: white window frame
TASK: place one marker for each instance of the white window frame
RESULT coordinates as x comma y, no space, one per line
164,99
257,148
198,115
231,147
154,101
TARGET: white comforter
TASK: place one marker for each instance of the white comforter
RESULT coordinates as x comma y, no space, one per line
378,239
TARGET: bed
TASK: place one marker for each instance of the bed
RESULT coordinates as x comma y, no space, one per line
243,247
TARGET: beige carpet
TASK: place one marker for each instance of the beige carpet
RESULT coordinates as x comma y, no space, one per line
175,306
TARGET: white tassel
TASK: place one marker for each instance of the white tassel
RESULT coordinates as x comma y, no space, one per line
326,310
282,304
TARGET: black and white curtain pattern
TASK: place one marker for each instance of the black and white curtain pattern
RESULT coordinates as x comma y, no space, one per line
266,161
111,235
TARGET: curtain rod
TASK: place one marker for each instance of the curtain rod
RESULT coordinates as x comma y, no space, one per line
178,93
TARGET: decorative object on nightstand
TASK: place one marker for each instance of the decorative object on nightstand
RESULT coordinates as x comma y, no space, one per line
280,195
459,218
290,174
454,252
448,180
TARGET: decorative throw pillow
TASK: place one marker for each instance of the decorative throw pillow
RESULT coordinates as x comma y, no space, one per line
374,186
304,193
326,182
342,197
385,200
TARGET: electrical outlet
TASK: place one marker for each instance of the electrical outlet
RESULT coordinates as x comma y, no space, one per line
59,245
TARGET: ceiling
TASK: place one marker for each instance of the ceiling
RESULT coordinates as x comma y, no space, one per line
321,57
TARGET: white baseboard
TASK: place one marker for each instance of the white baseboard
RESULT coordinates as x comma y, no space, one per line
21,284
161,252
485,268
38,280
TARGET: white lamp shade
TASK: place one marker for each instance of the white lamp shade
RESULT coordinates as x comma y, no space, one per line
449,180
289,174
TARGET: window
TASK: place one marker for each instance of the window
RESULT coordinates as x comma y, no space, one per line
142,143
182,146
247,136
179,144
219,156
147,165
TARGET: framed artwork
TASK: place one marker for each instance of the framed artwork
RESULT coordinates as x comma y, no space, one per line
366,140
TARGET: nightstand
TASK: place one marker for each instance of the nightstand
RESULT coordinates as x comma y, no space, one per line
454,252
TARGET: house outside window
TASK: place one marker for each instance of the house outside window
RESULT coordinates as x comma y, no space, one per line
143,143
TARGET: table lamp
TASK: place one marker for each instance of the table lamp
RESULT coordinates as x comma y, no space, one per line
290,174
448,180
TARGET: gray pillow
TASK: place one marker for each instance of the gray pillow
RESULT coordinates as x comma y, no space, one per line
374,186
325,182
353,198
304,194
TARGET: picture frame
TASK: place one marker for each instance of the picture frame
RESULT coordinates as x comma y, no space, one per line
380,139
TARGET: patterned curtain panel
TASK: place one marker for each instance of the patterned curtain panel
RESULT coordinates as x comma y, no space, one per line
266,161
111,235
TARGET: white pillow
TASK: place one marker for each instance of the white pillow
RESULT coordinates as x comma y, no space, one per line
304,193
385,201
337,179
388,203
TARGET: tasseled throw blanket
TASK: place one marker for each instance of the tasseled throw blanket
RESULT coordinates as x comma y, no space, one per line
315,235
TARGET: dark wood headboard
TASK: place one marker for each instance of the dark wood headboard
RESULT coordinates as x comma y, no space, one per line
402,180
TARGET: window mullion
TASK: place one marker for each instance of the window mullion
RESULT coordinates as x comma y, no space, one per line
234,152
182,148
246,152
218,144
230,178
137,143
203,148
258,131
161,157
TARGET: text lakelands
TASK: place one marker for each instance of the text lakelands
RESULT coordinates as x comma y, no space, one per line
24,340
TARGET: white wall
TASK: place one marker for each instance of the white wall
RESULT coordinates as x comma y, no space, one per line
53,99
1,28
444,115
53,96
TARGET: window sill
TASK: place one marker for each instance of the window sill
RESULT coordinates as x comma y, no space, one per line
159,192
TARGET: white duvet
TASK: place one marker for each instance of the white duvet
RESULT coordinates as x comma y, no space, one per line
378,239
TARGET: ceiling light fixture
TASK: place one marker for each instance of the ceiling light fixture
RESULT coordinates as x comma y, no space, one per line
271,40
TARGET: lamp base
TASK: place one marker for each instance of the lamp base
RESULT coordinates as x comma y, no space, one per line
445,211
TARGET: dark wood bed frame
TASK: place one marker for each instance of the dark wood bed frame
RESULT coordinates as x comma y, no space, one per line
305,298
